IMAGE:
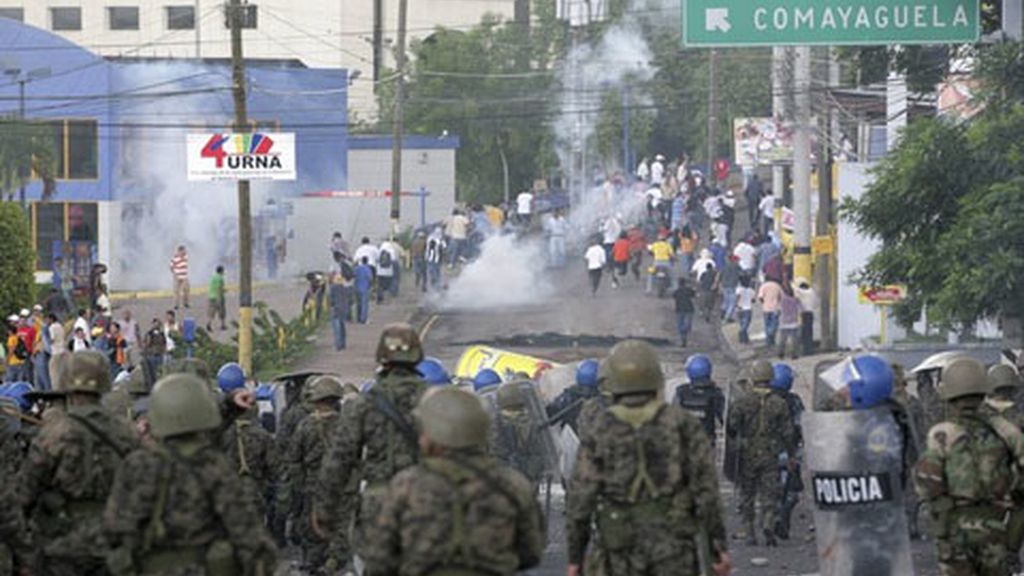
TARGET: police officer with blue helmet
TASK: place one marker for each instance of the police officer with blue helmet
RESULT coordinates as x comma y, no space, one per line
701,396
230,377
565,409
789,468
433,372
486,380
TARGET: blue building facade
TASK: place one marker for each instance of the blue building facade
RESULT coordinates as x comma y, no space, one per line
119,133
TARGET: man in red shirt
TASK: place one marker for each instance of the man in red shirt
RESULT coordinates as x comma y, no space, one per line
637,246
179,270
620,258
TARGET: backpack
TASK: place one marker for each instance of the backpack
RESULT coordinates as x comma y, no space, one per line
20,351
385,259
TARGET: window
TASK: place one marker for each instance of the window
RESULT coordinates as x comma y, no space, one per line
66,230
76,143
123,17
181,17
67,18
248,16
13,13
49,221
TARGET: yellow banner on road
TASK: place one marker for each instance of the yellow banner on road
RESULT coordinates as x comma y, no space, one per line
504,362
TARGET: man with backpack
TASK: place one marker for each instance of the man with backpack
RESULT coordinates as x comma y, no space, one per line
17,353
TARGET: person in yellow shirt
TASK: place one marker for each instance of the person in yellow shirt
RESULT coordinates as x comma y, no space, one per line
16,355
663,254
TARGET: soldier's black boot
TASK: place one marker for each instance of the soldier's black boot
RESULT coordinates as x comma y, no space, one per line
769,538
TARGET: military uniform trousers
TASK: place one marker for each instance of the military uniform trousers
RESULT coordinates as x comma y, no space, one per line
759,482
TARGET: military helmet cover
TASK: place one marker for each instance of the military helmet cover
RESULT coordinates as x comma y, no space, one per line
963,377
453,418
511,397
761,372
399,344
88,372
325,387
182,403
633,367
1003,376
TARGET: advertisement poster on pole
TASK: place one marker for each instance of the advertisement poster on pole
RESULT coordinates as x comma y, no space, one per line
246,156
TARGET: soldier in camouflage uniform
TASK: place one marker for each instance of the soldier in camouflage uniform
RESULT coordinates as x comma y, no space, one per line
178,509
761,422
1004,389
645,476
305,456
968,476
70,469
516,439
457,512
566,408
122,398
16,553
375,438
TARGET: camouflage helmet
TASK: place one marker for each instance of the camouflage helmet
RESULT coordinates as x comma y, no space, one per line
511,397
453,418
182,403
86,372
1003,376
325,387
963,377
761,372
187,366
399,344
136,383
633,367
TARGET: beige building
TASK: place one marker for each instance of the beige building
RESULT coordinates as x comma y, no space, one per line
353,34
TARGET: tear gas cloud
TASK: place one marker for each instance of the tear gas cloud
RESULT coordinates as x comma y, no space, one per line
509,272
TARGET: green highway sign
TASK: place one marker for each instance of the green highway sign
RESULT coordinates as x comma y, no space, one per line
725,23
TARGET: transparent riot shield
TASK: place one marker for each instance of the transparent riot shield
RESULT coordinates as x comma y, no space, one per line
539,418
733,444
568,447
854,463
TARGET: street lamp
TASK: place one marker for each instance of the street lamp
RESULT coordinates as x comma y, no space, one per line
22,79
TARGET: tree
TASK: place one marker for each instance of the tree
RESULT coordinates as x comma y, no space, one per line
26,148
17,260
948,206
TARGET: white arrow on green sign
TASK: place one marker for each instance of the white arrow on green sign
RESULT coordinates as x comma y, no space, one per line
711,23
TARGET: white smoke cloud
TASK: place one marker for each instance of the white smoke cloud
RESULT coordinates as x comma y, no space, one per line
508,273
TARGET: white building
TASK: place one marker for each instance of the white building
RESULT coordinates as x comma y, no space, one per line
353,34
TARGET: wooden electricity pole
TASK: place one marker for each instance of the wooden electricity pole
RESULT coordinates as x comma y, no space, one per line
244,222
396,134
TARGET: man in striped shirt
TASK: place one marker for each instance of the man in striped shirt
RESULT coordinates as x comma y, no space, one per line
179,269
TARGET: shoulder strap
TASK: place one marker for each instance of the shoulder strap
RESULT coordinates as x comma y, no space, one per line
387,408
99,433
1010,435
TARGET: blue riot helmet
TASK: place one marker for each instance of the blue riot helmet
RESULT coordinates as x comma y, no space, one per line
698,367
869,379
485,379
17,392
586,373
433,372
230,377
782,377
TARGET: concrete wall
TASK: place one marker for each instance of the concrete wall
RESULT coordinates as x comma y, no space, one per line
856,321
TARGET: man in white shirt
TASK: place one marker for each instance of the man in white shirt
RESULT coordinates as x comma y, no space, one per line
394,252
596,261
611,228
82,322
368,251
643,170
524,207
658,170
747,255
557,229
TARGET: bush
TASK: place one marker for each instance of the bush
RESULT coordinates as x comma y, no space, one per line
17,260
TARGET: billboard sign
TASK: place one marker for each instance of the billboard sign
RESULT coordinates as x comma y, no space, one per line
245,156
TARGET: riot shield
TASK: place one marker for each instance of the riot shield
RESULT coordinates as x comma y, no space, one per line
854,461
733,444
539,418
568,447
828,379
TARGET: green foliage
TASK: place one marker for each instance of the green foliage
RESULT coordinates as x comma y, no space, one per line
948,206
277,344
26,148
17,260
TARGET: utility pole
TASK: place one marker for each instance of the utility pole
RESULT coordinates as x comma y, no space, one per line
780,112
712,114
244,221
396,134
22,174
627,162
802,163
